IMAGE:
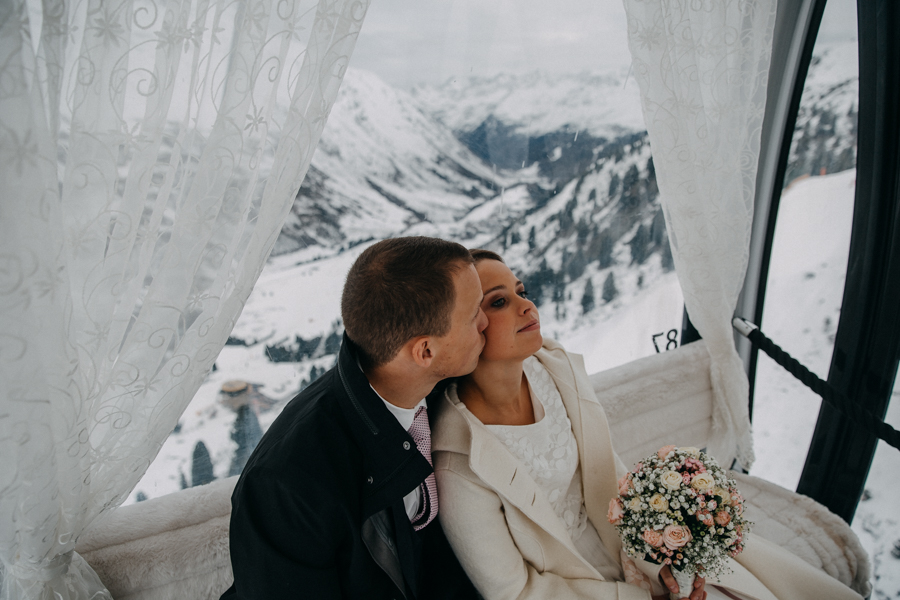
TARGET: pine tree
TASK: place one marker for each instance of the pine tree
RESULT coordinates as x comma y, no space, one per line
201,466
609,288
613,185
246,434
587,300
639,245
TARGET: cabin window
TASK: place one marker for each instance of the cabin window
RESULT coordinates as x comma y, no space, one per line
512,127
806,286
809,251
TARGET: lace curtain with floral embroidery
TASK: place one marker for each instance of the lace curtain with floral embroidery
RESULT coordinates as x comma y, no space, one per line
150,151
702,67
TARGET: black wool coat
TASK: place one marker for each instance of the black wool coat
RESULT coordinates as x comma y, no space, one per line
318,510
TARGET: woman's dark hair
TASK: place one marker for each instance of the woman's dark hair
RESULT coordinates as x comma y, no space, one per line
479,254
398,289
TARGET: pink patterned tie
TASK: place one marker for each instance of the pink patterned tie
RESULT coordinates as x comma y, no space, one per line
421,434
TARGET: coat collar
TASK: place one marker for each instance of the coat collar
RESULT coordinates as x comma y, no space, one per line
392,467
458,430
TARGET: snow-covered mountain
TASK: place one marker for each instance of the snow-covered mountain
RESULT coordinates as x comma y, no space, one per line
825,133
383,165
603,104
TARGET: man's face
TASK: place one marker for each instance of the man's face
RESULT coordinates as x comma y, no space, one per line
457,352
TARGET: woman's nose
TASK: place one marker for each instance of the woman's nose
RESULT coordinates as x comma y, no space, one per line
526,305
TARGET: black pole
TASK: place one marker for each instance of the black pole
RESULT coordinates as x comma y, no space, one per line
867,342
787,138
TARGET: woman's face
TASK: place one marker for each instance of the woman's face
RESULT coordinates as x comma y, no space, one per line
514,329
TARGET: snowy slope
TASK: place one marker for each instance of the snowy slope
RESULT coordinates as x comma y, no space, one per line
803,303
806,282
382,166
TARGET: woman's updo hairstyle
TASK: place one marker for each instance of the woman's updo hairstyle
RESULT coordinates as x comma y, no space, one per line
479,255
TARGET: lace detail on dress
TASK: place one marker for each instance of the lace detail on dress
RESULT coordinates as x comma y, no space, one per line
548,450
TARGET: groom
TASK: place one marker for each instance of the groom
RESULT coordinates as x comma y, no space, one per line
338,500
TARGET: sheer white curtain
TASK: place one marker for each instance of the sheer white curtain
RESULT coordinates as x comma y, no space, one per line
150,151
702,67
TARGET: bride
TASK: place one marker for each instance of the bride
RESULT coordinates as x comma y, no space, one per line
525,472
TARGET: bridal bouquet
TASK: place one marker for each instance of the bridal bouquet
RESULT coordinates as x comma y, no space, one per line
680,508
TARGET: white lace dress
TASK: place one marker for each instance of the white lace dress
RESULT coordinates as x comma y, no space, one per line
548,451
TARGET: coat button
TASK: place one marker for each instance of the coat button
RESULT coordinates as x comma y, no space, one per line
406,445
371,479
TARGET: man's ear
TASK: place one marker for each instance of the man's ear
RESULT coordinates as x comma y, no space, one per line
421,351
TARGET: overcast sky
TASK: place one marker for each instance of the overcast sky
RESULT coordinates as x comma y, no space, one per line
408,41
411,41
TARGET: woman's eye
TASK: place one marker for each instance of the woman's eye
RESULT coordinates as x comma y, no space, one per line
524,293
498,303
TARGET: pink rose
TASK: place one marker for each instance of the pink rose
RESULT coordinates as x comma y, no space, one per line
664,451
624,484
637,467
616,511
652,537
676,536
723,518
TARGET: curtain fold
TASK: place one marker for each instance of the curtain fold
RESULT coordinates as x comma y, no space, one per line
702,67
150,151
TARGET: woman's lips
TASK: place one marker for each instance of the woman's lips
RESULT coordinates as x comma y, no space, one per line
532,326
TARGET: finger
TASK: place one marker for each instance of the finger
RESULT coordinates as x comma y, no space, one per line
669,580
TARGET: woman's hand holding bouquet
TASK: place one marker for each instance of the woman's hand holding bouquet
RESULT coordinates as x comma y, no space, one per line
679,508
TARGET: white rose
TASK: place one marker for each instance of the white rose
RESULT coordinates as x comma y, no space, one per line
703,482
695,452
671,479
724,494
634,504
659,503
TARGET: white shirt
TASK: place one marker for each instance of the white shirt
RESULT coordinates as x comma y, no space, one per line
406,416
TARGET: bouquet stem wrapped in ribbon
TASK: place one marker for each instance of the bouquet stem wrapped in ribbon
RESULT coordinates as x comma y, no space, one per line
680,508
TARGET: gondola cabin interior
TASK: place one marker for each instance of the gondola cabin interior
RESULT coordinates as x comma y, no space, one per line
187,183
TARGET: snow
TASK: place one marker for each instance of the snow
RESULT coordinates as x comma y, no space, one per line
601,103
803,303
627,332
803,300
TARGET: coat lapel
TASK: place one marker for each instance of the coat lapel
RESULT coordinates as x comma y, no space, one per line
591,430
491,460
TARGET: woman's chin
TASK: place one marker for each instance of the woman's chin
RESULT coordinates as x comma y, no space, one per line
523,349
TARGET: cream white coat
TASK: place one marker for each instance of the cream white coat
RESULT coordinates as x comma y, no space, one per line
512,544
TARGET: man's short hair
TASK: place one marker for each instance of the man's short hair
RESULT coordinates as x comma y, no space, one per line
398,289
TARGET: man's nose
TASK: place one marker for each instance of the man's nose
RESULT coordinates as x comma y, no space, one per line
482,321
